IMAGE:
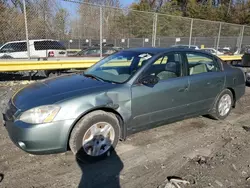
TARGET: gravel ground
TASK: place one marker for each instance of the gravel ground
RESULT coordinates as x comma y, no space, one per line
205,152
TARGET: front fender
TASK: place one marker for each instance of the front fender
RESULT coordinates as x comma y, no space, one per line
118,102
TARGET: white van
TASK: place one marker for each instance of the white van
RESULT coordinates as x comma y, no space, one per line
42,48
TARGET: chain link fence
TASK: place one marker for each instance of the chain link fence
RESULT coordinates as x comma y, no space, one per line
56,31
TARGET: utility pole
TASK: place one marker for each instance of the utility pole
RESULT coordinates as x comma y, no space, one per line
26,29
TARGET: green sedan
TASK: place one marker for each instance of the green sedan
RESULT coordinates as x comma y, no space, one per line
126,92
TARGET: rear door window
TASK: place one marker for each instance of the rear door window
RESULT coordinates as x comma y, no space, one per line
48,45
199,63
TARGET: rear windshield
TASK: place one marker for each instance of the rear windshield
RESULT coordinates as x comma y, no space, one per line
48,45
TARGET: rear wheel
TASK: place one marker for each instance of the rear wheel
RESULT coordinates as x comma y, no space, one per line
95,136
223,105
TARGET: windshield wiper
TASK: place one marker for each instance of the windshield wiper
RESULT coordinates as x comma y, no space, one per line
93,76
97,78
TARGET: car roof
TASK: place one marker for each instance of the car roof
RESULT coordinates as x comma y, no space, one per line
153,50
31,40
176,45
148,50
98,47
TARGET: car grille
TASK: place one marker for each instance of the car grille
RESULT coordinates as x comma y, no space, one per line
10,111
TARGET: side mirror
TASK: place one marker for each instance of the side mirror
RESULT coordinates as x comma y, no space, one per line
129,58
149,80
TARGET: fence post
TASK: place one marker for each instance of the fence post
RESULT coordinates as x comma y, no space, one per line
26,29
153,32
195,40
128,43
190,34
218,39
154,29
215,39
241,38
79,32
100,31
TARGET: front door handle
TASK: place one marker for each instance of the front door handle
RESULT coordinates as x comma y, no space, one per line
185,89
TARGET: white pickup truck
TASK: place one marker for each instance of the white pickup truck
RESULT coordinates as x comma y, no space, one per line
39,49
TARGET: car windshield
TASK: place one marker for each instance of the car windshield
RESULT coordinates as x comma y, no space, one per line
118,67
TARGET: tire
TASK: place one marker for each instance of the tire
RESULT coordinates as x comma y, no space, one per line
82,130
247,83
247,80
50,73
40,73
215,112
6,57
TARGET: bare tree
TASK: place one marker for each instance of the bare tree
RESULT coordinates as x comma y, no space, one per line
90,17
61,22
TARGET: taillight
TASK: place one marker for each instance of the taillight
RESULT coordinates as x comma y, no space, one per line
51,54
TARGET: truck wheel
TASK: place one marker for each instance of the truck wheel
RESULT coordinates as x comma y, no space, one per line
6,57
94,136
222,105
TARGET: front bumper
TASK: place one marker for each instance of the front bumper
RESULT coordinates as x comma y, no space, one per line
46,138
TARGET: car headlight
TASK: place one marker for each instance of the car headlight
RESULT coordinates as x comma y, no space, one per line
41,114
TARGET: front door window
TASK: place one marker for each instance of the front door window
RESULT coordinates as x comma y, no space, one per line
167,67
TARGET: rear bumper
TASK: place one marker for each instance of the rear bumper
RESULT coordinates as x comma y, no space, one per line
46,138
240,91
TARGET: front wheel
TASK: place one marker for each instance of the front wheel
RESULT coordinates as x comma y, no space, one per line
95,136
223,105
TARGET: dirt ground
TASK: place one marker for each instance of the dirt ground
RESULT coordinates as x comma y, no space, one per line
205,152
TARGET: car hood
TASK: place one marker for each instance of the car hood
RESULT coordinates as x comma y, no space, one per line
57,89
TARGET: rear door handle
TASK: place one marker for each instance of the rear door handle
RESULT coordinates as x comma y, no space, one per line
219,81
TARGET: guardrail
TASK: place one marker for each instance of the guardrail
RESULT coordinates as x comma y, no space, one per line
44,65
73,50
231,57
7,66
